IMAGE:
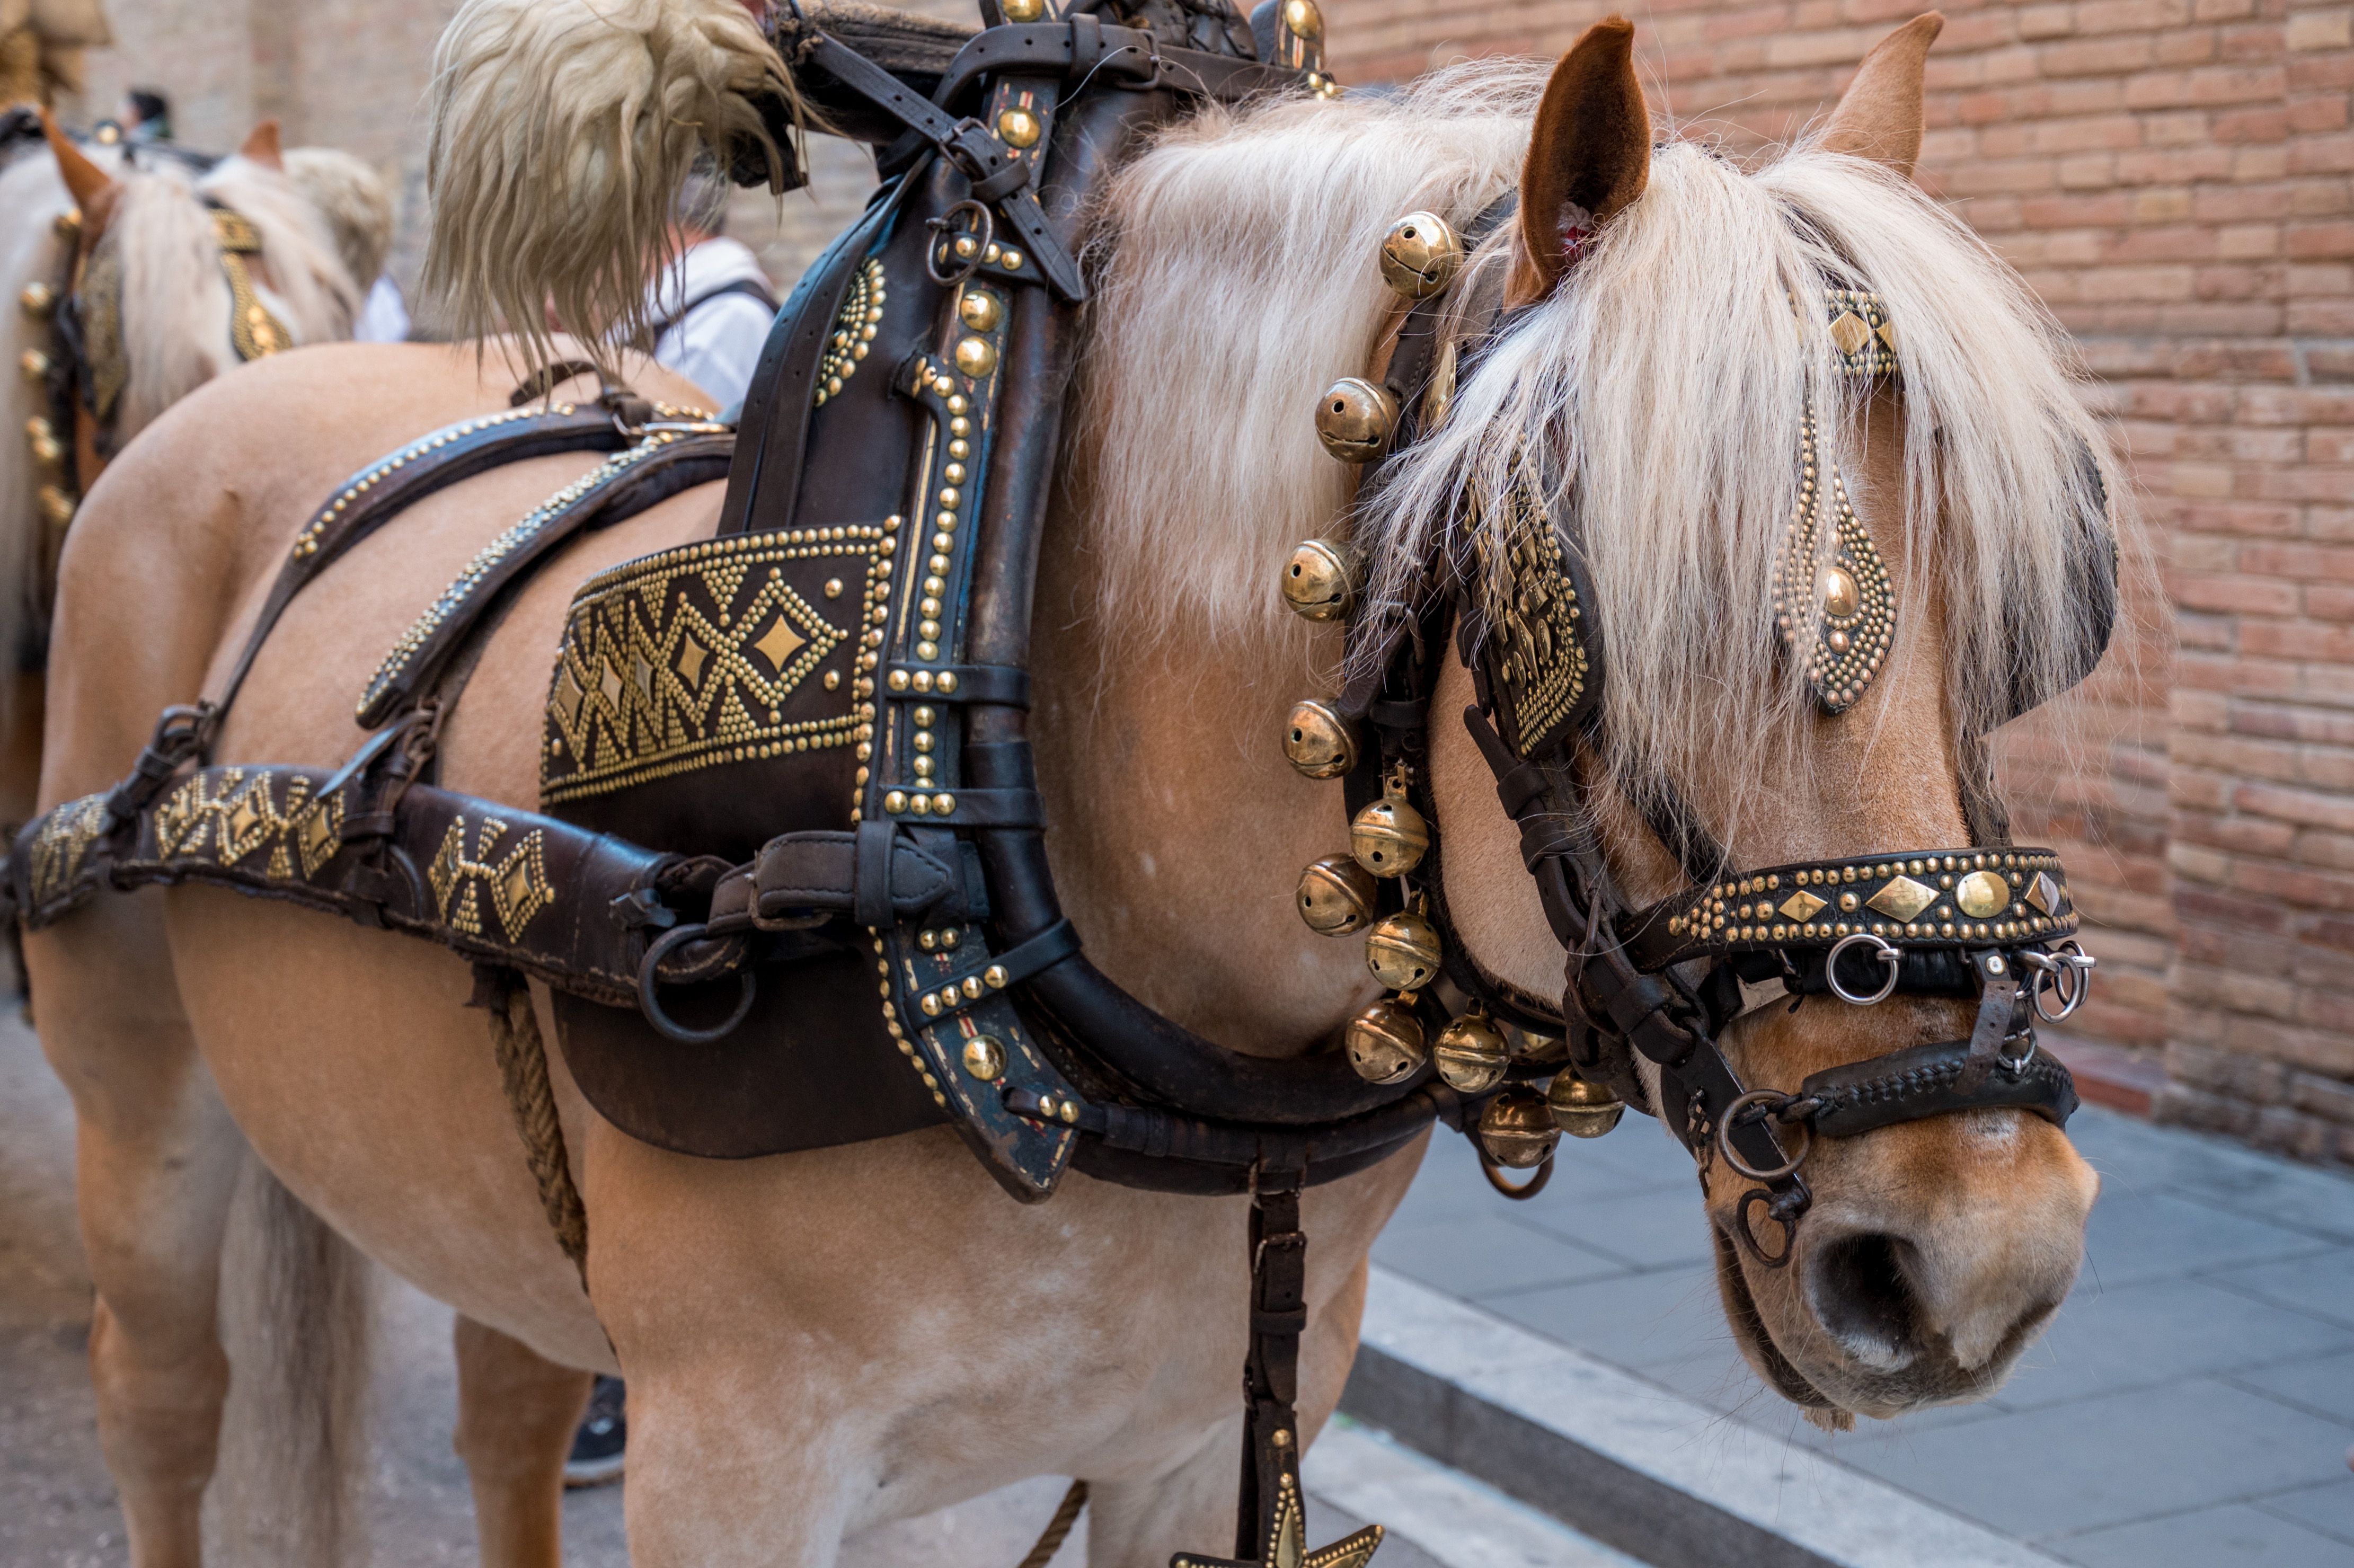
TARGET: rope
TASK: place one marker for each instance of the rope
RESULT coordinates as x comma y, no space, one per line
522,1070
1058,1528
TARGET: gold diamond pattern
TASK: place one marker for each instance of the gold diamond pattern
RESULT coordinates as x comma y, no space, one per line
1802,906
1848,331
779,644
690,655
1904,899
517,885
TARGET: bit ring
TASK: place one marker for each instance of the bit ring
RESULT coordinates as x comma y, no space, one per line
1774,1100
1886,952
663,1023
1748,1238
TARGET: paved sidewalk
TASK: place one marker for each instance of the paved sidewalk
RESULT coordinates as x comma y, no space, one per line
2193,1404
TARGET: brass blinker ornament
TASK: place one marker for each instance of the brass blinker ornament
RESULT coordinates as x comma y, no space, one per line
1471,1054
1318,583
1839,613
1389,837
1581,1109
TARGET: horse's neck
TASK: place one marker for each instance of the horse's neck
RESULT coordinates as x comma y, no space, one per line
1180,830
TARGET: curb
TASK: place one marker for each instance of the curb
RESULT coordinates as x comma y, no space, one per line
1632,1465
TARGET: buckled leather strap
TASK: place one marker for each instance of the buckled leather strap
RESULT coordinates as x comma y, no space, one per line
995,809
1006,685
816,873
870,902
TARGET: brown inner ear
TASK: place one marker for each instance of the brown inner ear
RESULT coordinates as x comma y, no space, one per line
1591,148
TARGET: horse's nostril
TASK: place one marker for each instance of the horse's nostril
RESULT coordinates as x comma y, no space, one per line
1857,1286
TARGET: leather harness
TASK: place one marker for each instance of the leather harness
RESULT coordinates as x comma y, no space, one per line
849,652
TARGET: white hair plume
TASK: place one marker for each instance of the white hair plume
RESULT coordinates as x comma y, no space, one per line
559,130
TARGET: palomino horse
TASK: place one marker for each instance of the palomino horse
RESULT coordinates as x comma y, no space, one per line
170,306
819,1341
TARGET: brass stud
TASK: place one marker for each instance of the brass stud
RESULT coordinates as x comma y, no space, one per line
38,299
1019,127
1470,1054
1318,583
1336,897
1303,19
1420,255
33,363
1319,742
975,357
1517,1130
1384,1043
984,1058
1023,10
995,977
1581,1109
897,801
66,224
981,311
1354,418
1404,951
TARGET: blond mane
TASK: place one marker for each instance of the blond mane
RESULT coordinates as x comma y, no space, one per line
1664,383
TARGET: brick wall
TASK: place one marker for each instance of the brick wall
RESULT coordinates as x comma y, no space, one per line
2173,175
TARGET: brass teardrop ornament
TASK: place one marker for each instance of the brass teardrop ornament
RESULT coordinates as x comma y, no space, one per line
1318,583
1389,837
1402,951
1470,1054
1581,1109
1319,742
1385,1043
1354,418
1336,897
1420,255
1517,1130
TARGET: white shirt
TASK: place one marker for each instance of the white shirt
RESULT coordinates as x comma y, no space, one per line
384,317
717,343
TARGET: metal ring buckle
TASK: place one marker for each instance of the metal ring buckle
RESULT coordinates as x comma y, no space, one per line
1774,1100
1522,1191
2068,971
984,233
1889,956
669,1027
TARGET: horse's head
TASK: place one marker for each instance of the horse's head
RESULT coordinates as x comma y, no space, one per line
1770,693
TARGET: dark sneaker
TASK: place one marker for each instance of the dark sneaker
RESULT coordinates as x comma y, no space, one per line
597,1447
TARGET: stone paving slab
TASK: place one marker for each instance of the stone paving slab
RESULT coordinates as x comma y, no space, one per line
2199,1376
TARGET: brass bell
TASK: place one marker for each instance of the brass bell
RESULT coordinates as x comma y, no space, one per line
1317,581
1470,1054
1385,1043
33,363
38,299
66,224
1581,1109
1420,255
1355,419
1318,741
1336,897
1402,951
1389,837
1517,1130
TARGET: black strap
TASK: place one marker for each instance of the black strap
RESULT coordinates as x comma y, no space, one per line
1279,1252
1016,964
998,177
751,288
995,809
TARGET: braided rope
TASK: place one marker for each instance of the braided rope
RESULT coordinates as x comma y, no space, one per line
1058,1528
522,1056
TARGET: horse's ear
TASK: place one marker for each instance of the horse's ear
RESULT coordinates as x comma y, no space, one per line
1879,117
1589,156
92,187
262,146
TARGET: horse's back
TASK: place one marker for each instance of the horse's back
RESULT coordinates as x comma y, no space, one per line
183,537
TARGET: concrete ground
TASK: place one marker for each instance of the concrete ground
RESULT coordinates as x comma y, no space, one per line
2192,1405
57,1507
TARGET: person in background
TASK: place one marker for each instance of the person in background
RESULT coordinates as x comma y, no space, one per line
146,115
711,309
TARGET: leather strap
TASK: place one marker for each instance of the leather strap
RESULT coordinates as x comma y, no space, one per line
1018,963
1279,1317
996,809
801,878
1006,685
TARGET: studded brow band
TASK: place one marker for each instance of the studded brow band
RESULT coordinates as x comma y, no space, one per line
1957,898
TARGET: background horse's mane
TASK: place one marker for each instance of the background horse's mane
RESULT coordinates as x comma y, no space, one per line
1671,371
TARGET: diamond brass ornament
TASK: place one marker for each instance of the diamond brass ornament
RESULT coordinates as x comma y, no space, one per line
1470,1054
1385,1043
1336,895
1903,899
1318,583
1581,1109
2044,894
1319,742
1517,1130
1289,1547
1802,906
1354,418
1839,613
1389,837
1420,255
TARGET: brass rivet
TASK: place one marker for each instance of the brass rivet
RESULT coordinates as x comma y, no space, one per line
981,311
984,1058
1019,127
975,357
